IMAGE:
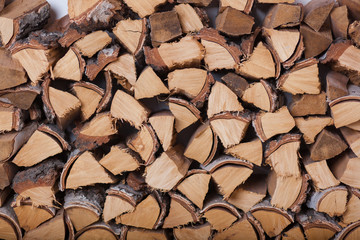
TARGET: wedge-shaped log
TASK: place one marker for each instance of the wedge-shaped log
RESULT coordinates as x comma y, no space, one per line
345,110
262,95
92,43
316,13
336,85
71,66
345,169
96,231
149,85
283,15
145,8
10,228
312,126
11,70
185,113
234,22
189,19
352,138
124,70
202,232
163,124
250,151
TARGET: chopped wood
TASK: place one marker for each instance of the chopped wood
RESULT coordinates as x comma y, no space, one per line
339,22
199,3
10,68
351,213
21,97
315,42
139,233
145,8
259,65
96,231
185,113
163,124
283,15
312,126
11,118
349,232
270,124
295,232
236,83
145,143
189,19
9,225
188,52
327,145
124,70
345,169
352,138
234,23
120,159
250,151
92,43
4,195
302,78
316,13
230,127
262,95
167,170
241,5
344,110
308,104
336,85
205,139
201,232
127,108
354,32
149,85
70,67
276,1
7,173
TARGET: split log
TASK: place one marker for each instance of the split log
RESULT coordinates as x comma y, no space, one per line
84,206
331,201
269,124
350,232
302,78
21,97
10,68
7,173
195,186
250,151
352,138
167,170
294,232
308,104
234,22
276,1
345,169
138,233
336,85
262,95
327,145
241,5
345,110
316,13
120,159
205,139
149,85
9,225
145,143
228,173
353,6
250,193
83,169
92,43
11,118
315,42
248,42
20,18
354,32
230,127
97,231
124,70
38,183
163,124
188,52
355,126
236,83
351,213
71,35
200,232
127,108
283,15
136,180
145,8
312,126
339,22
71,66
185,113
4,195
189,19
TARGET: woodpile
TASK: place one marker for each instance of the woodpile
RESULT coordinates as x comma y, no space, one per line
151,119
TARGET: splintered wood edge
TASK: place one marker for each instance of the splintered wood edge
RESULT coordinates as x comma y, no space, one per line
131,197
247,45
107,94
191,107
256,225
219,203
241,116
268,208
273,97
343,99
90,86
304,190
13,223
70,226
48,108
28,202
163,203
284,139
72,158
56,133
296,55
212,35
199,100
225,160
153,58
186,204
348,229
142,39
99,225
190,173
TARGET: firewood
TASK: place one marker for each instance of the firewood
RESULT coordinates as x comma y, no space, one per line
11,118
99,62
4,195
38,183
219,213
90,96
145,8
344,110
354,32
45,142
315,42
20,18
167,170
159,34
163,124
230,127
249,194
189,19
302,78
200,232
259,65
9,225
336,85
327,145
138,233
188,52
248,43
234,23
70,67
312,126
228,173
120,159
131,34
294,233
83,206
10,68
352,139
355,126
7,173
349,232
205,139
351,213
262,95
269,124
181,212
273,220
345,169
124,70
331,201
21,97
145,143
236,83
127,108
308,104
92,43
283,15
25,212
276,1
295,57
120,199
317,225
149,85
198,3
250,151
195,186
320,173
11,142
241,5
96,231
185,113
316,13
339,22
75,174
218,53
